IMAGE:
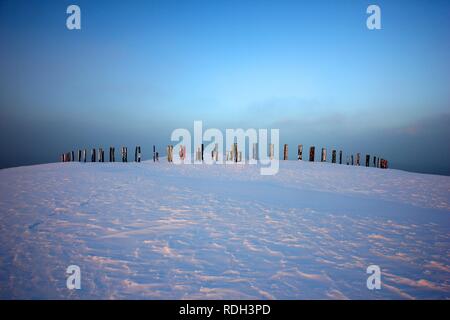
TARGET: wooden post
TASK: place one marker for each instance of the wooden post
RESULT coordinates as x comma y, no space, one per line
124,154
378,162
111,154
374,161
358,157
333,156
240,156
73,156
352,161
255,151
157,156
137,154
93,155
154,153
216,152
340,156
271,151
324,155
79,155
84,155
235,151
285,152
300,152
367,160
312,151
170,153
181,153
203,149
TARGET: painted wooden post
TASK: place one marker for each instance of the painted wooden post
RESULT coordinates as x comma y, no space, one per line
340,156
367,160
112,154
300,152
137,154
324,155
312,151
358,158
93,155
285,152
124,154
181,152
333,156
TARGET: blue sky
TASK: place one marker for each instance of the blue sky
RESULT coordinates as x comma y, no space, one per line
137,70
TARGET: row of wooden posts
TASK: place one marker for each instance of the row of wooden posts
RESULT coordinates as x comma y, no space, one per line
232,155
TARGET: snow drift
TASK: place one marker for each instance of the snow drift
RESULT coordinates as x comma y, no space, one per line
165,231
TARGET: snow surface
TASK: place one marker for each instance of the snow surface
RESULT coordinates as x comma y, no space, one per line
165,231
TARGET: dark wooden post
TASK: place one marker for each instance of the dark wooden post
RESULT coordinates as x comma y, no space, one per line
93,157
333,156
352,161
378,162
157,156
340,157
235,152
154,153
84,155
323,158
285,152
112,154
203,149
137,154
101,155
124,152
73,156
300,152
358,158
79,155
367,160
312,151
374,161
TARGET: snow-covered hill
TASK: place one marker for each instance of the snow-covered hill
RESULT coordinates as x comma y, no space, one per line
160,231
